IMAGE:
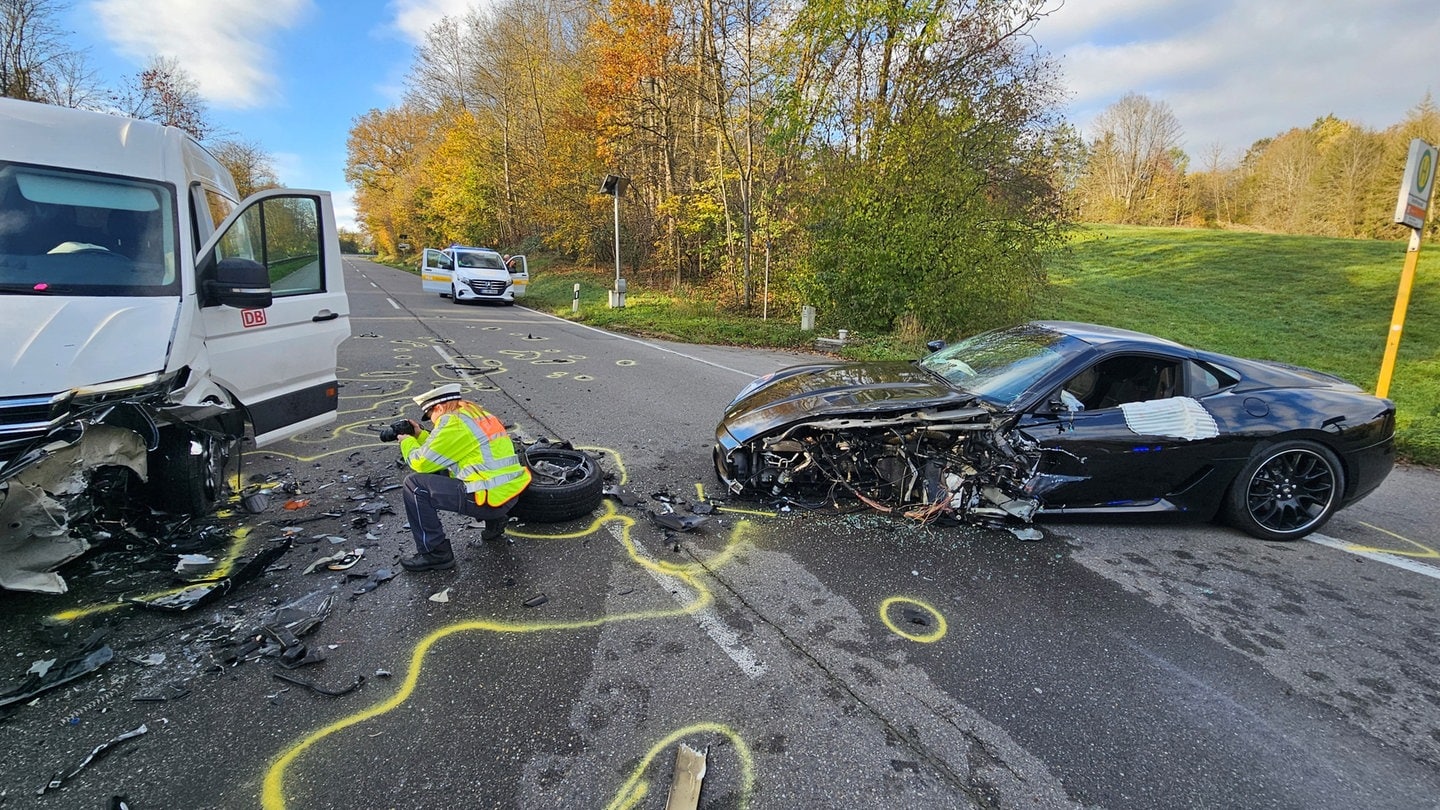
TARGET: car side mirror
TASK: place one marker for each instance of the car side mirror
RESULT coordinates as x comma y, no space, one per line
240,283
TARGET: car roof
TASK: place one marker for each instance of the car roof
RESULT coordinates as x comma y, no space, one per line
1097,335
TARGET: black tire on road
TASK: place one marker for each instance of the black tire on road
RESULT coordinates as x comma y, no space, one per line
564,484
1286,491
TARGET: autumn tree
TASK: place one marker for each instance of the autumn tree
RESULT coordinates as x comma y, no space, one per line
384,153
1132,172
164,92
250,165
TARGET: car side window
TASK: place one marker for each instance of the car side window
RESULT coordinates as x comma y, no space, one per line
1117,380
1203,379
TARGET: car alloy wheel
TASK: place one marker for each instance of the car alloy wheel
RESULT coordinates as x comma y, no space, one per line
1289,490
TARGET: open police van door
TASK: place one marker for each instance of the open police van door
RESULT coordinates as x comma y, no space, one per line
519,274
274,311
436,270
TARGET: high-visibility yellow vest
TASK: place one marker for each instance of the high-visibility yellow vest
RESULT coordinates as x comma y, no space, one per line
471,444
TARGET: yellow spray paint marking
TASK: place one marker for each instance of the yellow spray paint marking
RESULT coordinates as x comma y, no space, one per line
930,638
273,790
221,570
636,787
1425,551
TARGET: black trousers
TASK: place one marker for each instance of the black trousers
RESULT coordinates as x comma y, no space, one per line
428,494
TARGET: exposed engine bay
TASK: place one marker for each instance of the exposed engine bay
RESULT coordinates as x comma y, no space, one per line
914,465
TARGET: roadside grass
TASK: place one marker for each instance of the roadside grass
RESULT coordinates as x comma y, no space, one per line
1316,302
1312,301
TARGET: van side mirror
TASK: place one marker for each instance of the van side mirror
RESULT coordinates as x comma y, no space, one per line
240,283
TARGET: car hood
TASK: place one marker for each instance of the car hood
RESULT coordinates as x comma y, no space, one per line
54,344
834,389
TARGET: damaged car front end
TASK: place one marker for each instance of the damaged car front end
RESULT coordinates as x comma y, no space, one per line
1054,418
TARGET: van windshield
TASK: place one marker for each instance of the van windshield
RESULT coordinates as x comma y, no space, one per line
75,233
483,261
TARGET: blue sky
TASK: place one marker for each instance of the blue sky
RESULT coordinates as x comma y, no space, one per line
293,74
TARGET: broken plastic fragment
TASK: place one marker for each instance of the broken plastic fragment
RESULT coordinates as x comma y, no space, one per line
100,750
320,690
192,563
624,497
702,508
256,502
441,596
689,774
299,503
151,660
205,592
536,601
375,579
91,657
1026,532
679,523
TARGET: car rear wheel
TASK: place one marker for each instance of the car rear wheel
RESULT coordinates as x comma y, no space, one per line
1286,491
564,484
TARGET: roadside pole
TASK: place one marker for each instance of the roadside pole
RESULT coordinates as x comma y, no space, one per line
1410,210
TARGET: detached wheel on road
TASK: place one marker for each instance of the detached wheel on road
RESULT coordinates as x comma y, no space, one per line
1286,491
565,484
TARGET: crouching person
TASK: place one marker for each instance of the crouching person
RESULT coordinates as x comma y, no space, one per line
465,464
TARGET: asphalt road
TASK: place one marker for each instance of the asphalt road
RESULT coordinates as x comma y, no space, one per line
822,661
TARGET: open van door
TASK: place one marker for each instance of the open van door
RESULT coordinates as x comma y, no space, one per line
274,347
519,274
436,270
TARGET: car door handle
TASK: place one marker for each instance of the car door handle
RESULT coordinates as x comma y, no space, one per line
325,315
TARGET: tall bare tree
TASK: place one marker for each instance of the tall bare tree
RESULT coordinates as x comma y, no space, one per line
1133,152
166,93
252,168
36,63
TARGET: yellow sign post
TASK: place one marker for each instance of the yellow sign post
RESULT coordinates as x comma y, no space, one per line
1410,210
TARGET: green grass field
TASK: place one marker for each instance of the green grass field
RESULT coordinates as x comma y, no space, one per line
1316,302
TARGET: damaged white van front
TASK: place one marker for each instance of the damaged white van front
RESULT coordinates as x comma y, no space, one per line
147,316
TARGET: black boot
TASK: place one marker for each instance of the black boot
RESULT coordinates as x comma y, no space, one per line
494,530
439,559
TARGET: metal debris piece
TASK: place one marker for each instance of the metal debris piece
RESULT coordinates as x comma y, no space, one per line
194,563
205,592
677,522
174,693
151,660
374,580
702,508
536,601
689,774
256,502
100,750
91,657
625,497
441,596
320,690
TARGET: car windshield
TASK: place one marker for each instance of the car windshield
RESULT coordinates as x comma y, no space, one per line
1001,365
483,261
65,232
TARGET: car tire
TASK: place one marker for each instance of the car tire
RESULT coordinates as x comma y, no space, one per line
1286,490
187,483
564,484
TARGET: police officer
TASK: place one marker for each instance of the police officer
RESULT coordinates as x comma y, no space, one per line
466,464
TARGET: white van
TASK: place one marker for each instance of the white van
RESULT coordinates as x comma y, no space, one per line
148,316
473,274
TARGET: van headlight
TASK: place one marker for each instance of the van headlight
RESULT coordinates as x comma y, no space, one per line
130,386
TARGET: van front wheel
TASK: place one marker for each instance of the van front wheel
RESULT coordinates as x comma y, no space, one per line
187,471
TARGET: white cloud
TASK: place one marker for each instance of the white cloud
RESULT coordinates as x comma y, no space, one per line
415,17
1236,71
223,44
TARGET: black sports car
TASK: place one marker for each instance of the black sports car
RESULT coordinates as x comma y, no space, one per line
1062,418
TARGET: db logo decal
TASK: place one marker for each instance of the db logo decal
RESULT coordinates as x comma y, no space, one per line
252,317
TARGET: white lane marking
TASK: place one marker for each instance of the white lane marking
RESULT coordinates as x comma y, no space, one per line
392,303
453,363
747,374
1378,556
719,632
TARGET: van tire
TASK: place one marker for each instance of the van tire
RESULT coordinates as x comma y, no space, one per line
565,484
186,483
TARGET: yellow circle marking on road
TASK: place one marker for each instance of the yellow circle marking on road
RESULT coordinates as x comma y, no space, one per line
927,638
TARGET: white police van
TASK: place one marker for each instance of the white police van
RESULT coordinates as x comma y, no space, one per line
473,274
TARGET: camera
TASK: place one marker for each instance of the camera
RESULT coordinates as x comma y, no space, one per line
396,429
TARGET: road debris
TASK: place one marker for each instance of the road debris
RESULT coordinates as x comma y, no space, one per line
689,774
320,690
92,655
100,750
